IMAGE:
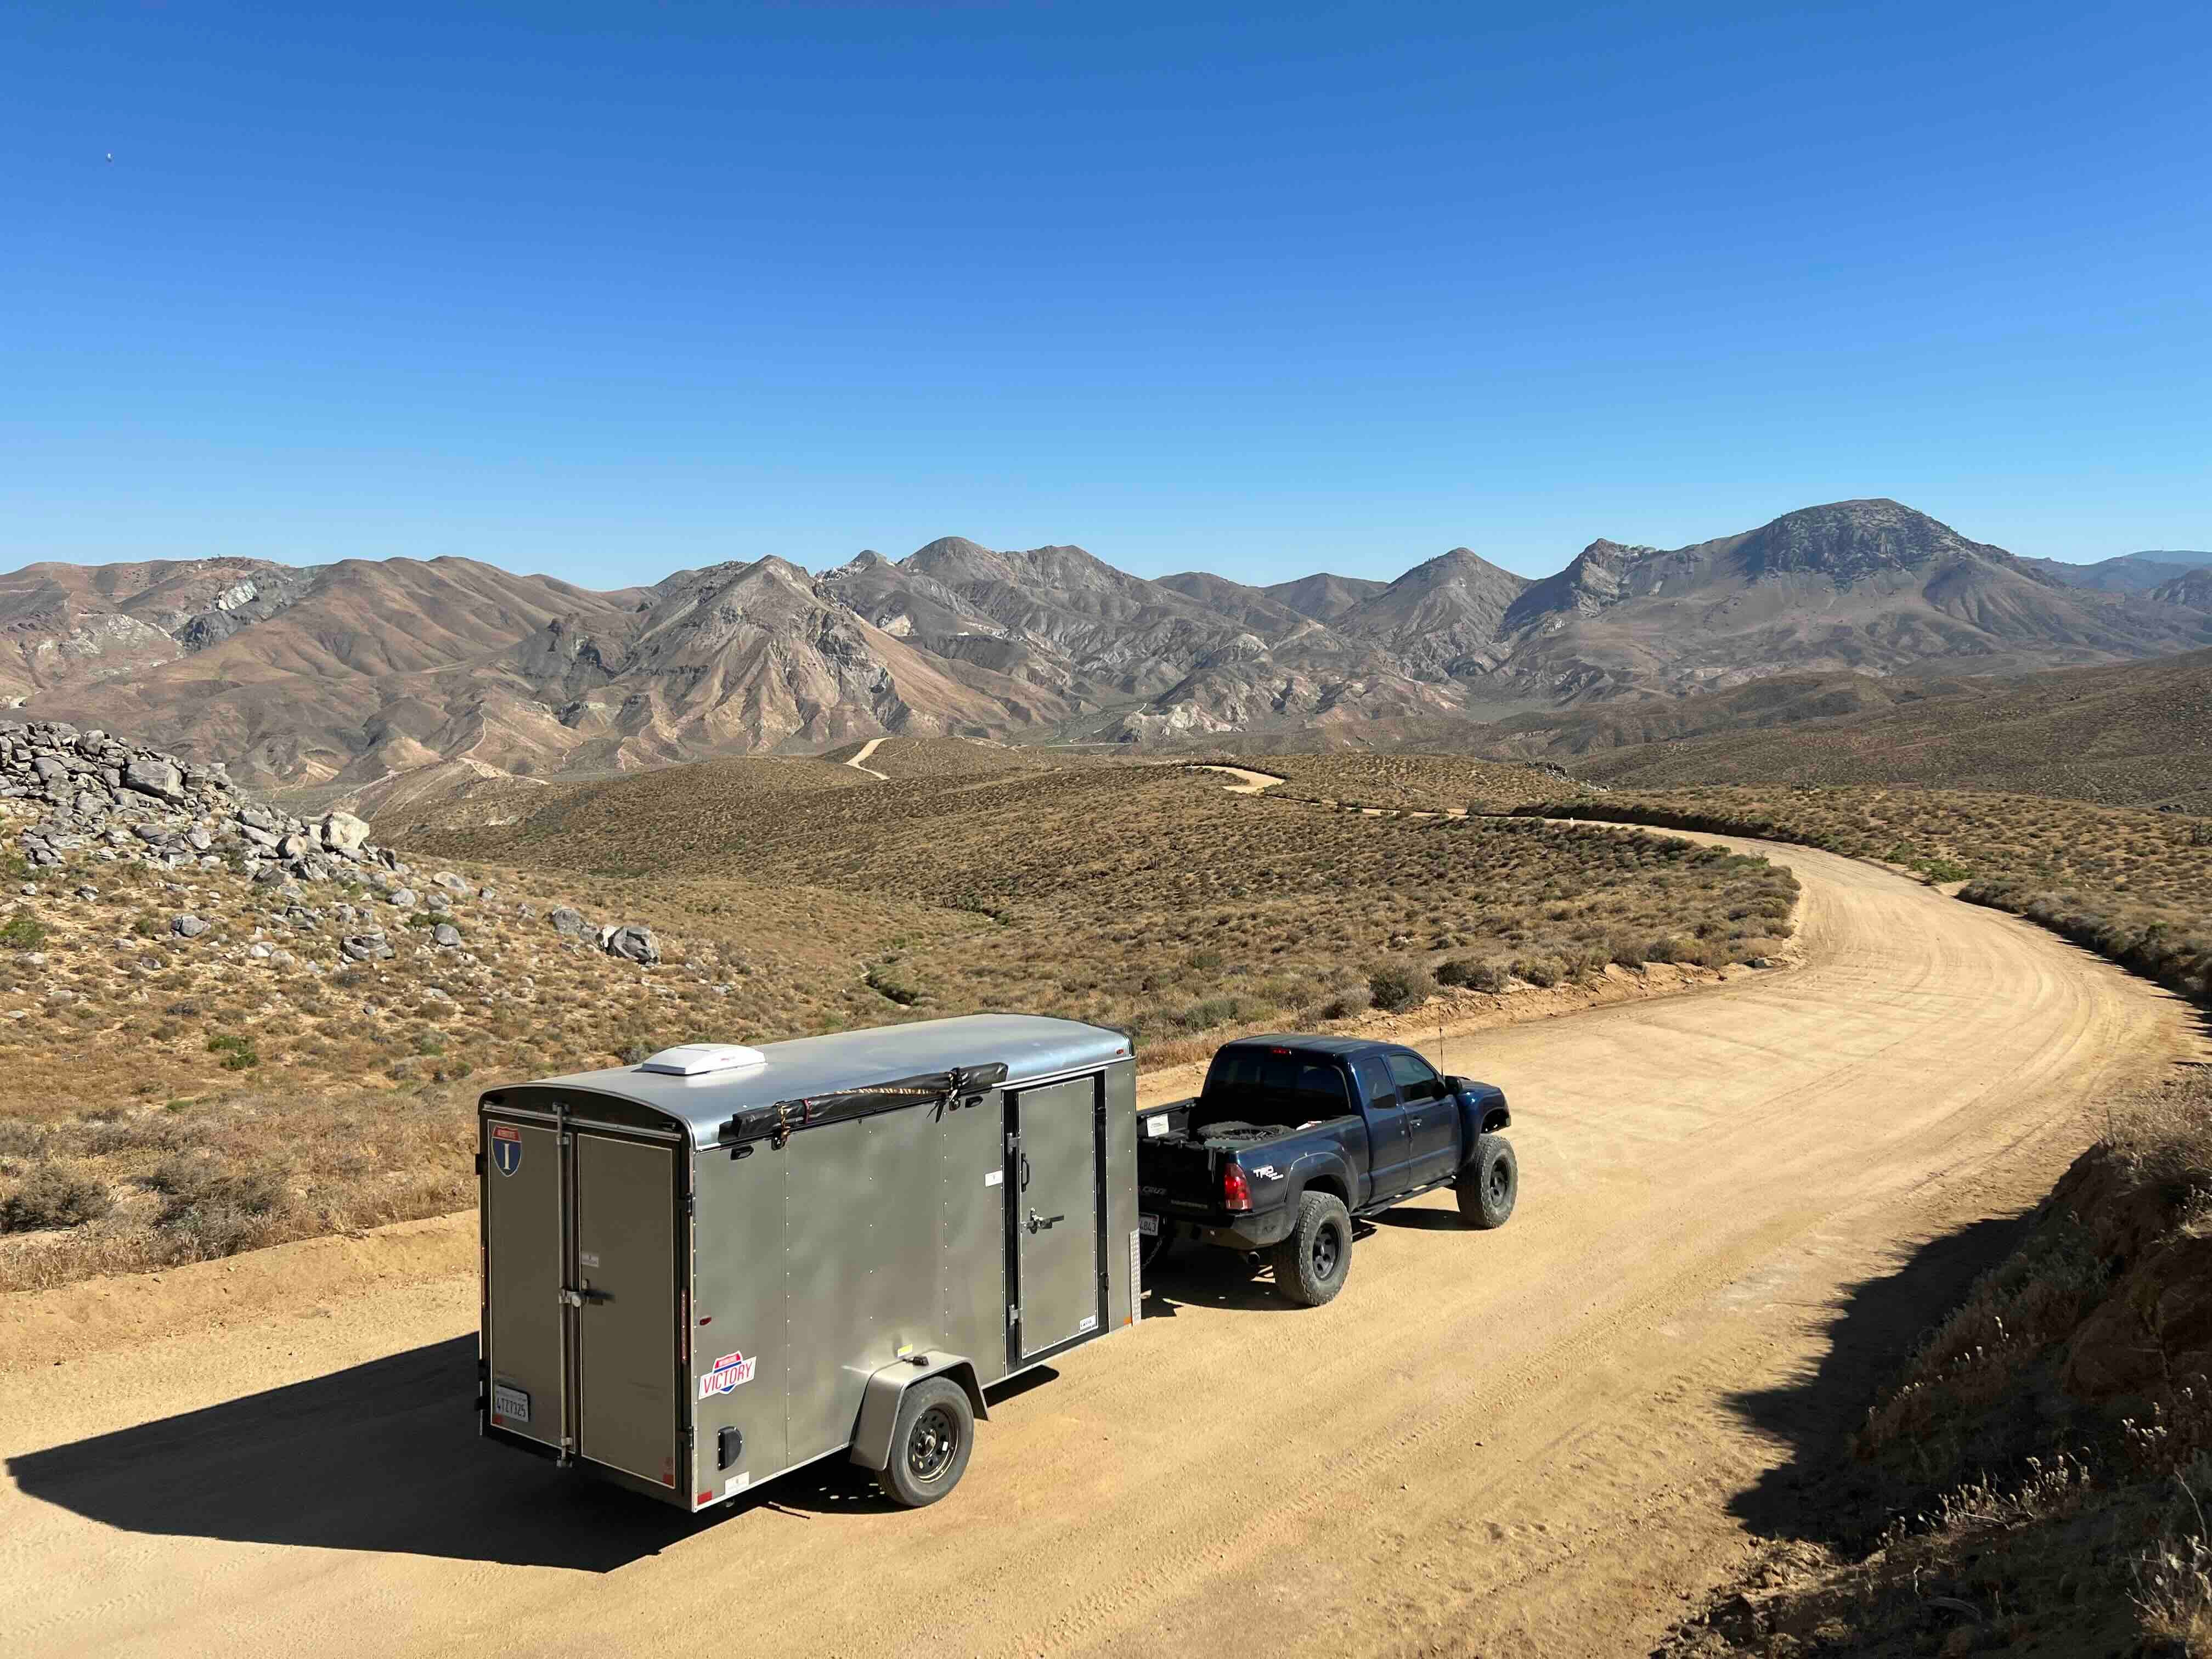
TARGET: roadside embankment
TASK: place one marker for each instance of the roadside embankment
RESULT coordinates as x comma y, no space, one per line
2036,1473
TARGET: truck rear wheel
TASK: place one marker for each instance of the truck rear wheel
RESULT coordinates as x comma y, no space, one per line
1312,1264
930,1443
1488,1185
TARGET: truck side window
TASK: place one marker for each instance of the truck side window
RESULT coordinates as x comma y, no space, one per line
1415,1078
1375,1084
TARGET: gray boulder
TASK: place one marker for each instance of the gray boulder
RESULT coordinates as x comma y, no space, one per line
446,934
342,832
187,927
371,946
568,922
632,942
150,775
402,897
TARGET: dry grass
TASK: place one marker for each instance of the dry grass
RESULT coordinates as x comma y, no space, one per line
2135,885
1153,899
163,1099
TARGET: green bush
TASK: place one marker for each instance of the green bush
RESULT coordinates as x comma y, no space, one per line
1542,970
238,1052
22,931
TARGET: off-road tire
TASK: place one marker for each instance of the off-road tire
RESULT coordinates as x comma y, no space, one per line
1312,1264
923,1468
1488,1185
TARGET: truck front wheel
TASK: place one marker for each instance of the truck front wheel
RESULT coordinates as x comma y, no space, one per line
1489,1184
1312,1264
930,1444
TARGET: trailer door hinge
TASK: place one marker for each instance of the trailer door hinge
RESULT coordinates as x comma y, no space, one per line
1013,1315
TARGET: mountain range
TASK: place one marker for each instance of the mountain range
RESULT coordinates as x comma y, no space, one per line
336,677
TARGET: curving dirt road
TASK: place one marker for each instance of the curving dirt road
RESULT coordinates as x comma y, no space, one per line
1538,1441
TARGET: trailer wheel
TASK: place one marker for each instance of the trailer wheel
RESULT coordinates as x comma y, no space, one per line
1489,1184
1312,1264
930,1443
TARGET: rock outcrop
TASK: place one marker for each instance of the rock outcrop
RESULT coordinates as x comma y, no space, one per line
121,802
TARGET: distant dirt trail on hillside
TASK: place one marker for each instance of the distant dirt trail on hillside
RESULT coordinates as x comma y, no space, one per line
859,762
1520,1443
1247,782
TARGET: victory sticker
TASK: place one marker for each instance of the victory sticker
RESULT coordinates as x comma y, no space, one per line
730,1370
507,1147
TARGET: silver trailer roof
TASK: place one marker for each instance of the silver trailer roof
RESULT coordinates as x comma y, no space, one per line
1031,1046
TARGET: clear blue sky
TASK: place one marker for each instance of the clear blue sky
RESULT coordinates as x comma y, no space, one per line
605,291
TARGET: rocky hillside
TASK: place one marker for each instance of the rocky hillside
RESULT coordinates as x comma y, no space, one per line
330,681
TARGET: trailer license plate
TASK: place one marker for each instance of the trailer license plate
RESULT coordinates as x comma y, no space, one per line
510,1405
1148,1225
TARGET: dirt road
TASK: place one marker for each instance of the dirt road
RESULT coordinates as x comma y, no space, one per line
1537,1440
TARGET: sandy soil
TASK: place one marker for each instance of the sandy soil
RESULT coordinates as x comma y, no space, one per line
1539,1441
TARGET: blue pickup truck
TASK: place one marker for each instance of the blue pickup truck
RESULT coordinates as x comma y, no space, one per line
1293,1137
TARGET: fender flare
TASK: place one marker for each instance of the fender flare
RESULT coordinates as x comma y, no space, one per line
1331,1163
886,1389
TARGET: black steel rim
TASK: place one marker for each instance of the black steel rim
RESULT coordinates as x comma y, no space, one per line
1325,1252
1498,1181
930,1447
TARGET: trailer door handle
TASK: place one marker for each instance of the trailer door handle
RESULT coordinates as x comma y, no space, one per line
1039,1223
1025,1172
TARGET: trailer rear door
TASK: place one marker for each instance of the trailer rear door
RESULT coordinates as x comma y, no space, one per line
627,1412
526,1244
1060,1131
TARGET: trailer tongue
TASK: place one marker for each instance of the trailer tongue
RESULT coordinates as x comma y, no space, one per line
713,1267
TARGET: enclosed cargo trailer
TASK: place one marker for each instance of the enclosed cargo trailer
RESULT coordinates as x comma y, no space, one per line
709,1269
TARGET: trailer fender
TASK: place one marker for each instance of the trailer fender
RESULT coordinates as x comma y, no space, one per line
879,1402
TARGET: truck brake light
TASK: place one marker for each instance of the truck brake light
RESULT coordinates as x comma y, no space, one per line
1235,1193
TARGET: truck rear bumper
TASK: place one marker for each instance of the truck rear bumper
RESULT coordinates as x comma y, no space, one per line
1257,1232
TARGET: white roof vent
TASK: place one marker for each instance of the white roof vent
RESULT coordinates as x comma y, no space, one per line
696,1059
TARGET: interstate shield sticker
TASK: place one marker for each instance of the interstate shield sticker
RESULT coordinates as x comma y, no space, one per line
730,1370
505,1148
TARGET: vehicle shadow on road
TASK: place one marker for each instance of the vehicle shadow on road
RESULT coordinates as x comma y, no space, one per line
1820,1494
382,1456
386,1457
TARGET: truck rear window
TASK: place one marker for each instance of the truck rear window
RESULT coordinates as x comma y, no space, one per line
1302,1085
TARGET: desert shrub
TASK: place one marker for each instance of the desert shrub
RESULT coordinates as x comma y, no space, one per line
886,982
238,1052
1346,1005
1545,971
22,931
211,1209
53,1195
1395,987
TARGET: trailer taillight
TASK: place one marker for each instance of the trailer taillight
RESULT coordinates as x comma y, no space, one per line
1234,1193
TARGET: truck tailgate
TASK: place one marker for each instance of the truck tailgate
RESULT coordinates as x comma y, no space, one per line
1177,1178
